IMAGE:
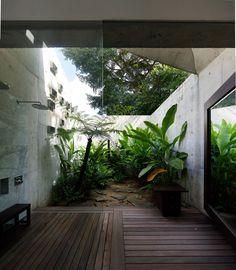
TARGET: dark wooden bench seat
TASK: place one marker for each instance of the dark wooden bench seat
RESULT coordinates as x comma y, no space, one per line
13,212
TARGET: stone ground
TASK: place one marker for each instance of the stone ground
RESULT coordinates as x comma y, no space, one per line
127,193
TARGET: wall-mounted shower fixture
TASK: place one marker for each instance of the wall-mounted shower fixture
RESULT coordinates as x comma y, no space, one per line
4,86
35,104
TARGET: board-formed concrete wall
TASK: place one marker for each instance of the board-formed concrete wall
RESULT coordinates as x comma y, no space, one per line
190,97
25,147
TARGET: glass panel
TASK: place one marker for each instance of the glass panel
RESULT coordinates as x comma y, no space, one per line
39,88
223,159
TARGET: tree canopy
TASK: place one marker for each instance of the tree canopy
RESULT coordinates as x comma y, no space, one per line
123,83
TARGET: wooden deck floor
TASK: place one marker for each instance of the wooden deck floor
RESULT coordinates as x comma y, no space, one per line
117,239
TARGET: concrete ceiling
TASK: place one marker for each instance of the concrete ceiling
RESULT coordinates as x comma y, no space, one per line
84,10
193,60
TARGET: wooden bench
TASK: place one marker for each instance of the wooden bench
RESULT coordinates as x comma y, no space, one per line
14,212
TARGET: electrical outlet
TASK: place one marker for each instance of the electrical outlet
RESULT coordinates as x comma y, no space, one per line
18,180
4,186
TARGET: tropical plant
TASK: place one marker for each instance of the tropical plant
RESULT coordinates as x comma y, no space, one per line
133,152
91,127
166,162
99,171
64,189
68,154
223,166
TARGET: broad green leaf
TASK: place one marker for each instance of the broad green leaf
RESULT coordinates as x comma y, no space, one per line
168,119
143,139
183,131
145,170
176,163
154,128
223,137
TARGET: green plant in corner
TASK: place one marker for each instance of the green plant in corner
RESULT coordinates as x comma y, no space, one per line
64,189
223,166
133,152
68,154
91,127
99,172
166,163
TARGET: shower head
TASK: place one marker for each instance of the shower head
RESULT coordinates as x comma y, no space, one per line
35,104
40,106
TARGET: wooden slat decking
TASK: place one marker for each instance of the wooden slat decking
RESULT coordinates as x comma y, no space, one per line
116,239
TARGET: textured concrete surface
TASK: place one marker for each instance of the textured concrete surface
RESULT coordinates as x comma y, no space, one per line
91,10
25,146
190,97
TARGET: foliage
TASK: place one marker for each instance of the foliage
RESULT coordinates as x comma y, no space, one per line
74,178
95,126
99,171
223,166
133,153
166,163
123,83
68,154
64,190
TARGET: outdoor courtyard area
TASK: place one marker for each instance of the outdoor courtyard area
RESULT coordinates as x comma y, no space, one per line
116,238
121,159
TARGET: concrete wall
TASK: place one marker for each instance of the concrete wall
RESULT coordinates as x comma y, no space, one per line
181,10
190,97
24,143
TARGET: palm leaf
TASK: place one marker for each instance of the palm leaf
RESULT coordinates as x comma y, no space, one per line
154,128
168,119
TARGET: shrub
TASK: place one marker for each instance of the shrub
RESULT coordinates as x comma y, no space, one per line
223,166
64,190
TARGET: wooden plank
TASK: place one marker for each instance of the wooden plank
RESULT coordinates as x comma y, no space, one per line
167,229
90,249
178,247
156,232
171,253
46,249
13,257
13,239
182,226
72,209
87,234
72,259
180,260
69,250
37,251
107,250
176,242
53,247
63,248
180,266
117,248
173,237
102,240
96,247
83,238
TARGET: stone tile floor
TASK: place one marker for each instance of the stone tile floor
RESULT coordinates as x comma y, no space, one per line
127,193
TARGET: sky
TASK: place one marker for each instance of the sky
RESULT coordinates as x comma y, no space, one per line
78,89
